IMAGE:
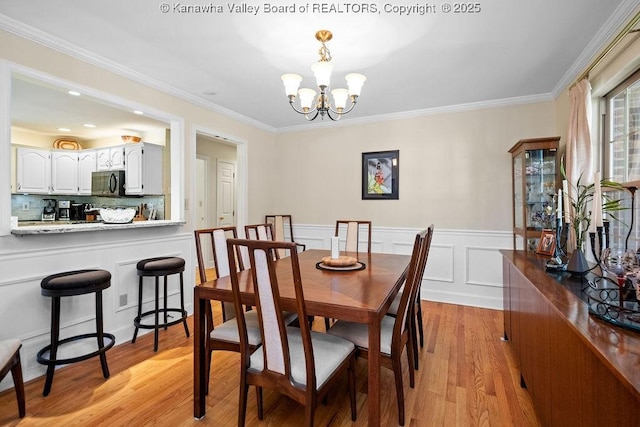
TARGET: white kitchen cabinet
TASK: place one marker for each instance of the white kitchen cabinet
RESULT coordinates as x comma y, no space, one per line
33,171
143,169
110,158
86,165
64,172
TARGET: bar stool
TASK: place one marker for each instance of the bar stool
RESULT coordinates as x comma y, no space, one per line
66,284
160,267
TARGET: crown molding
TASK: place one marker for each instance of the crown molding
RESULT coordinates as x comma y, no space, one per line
35,35
608,31
495,103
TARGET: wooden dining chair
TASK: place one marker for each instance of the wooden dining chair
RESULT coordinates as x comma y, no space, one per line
418,328
283,230
224,336
261,232
300,363
395,333
10,361
352,231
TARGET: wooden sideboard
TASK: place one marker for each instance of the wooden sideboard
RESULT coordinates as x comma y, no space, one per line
579,370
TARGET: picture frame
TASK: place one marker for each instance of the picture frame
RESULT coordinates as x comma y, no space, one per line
547,243
380,175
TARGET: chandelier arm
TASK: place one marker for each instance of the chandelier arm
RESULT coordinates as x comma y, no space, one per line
301,112
353,104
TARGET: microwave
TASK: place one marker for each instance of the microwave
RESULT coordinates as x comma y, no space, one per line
108,183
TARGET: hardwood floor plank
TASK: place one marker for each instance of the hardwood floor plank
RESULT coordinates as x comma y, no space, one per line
467,377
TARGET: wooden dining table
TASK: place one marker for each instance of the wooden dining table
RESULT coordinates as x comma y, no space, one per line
362,296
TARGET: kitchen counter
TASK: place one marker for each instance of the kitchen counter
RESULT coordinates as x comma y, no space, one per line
57,227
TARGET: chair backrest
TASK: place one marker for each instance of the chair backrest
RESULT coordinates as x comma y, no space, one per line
275,345
261,232
353,230
415,270
282,229
215,240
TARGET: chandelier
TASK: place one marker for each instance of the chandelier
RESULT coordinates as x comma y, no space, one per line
309,104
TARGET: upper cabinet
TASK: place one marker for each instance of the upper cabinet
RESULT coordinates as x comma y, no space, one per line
143,169
33,171
64,172
110,158
86,165
535,173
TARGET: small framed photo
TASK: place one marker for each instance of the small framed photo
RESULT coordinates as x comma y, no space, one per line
380,173
547,243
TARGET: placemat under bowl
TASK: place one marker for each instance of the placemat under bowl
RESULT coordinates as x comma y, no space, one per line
353,267
341,261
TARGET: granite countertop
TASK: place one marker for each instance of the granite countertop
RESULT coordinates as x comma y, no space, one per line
58,227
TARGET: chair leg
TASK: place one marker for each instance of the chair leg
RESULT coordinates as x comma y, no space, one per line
165,303
414,338
397,373
309,412
242,404
420,327
135,332
100,334
410,357
208,373
352,387
184,319
259,401
327,323
157,315
55,335
16,373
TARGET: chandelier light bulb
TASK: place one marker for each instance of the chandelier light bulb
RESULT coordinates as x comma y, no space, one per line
322,70
307,96
355,82
291,83
340,98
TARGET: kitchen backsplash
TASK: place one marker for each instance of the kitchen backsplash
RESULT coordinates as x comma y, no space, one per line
29,207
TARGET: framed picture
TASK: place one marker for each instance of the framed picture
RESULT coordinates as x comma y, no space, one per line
547,243
380,173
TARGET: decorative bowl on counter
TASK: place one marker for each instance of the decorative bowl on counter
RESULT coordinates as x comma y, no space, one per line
131,138
117,216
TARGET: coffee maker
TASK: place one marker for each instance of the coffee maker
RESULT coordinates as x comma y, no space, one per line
64,210
49,210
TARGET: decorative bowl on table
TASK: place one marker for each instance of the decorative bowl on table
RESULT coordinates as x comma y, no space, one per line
117,216
341,261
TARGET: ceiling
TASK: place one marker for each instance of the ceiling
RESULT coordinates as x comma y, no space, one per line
231,61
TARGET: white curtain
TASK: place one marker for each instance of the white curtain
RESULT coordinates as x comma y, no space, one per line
578,157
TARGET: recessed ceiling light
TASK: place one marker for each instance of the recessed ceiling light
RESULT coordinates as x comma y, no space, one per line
138,112
89,125
64,129
74,93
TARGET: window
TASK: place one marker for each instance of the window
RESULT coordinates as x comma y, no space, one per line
622,130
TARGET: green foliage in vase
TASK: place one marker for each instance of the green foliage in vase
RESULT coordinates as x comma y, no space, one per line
581,199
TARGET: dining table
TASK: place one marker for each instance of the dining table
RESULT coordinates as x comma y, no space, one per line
362,296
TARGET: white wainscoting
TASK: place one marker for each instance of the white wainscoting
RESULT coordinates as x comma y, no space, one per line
26,314
464,266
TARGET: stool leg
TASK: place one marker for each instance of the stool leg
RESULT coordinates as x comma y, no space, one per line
184,315
100,334
135,332
157,314
165,303
55,335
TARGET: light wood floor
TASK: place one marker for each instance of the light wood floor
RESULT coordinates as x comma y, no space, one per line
466,378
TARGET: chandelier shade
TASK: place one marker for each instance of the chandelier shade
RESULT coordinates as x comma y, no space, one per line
311,106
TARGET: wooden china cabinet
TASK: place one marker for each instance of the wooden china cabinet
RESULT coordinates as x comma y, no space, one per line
535,169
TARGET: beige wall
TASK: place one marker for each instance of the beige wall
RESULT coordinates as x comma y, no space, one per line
260,143
455,169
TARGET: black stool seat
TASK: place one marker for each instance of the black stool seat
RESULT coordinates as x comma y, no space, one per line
66,284
160,267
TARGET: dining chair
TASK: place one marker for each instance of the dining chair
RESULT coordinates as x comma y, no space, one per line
395,333
283,230
352,230
419,329
297,362
224,336
10,361
261,232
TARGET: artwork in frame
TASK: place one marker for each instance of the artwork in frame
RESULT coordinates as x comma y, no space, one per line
547,243
380,175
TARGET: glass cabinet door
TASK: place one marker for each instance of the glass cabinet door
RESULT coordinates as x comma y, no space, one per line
540,187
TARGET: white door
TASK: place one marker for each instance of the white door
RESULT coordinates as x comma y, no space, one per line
226,185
